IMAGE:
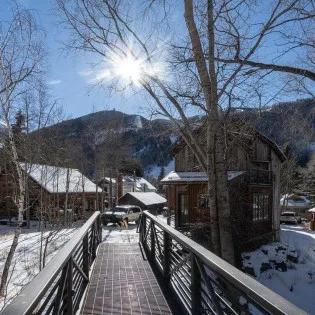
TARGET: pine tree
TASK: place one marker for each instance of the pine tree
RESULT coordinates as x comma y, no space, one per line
162,173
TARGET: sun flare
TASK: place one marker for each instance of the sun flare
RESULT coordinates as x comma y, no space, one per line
129,68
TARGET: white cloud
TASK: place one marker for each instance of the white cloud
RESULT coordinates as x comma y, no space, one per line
54,82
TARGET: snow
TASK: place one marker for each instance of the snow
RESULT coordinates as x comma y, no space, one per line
138,122
148,198
54,178
144,182
113,234
297,283
173,139
288,201
194,176
25,265
155,170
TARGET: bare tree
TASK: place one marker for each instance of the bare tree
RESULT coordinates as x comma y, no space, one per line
202,64
21,53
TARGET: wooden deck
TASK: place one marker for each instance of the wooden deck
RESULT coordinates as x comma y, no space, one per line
122,282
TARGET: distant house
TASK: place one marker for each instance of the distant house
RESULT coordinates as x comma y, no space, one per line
127,184
253,163
296,203
145,200
49,189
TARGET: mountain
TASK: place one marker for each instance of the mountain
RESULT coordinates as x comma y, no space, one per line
289,124
144,143
90,141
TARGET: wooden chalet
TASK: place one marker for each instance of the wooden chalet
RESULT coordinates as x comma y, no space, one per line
253,164
49,189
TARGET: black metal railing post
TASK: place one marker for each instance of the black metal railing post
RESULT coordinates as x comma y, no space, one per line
167,255
152,240
85,249
195,287
94,245
143,228
99,223
69,309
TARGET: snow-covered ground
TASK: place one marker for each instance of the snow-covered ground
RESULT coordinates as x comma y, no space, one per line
25,265
288,267
112,234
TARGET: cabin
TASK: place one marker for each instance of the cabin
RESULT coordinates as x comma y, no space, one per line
49,191
145,200
125,185
253,168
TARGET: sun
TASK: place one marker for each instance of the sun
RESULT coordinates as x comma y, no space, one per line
129,68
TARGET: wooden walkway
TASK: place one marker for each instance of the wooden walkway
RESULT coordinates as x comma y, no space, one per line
122,282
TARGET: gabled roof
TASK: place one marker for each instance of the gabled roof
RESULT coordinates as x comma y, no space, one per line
295,201
194,176
54,178
147,198
248,134
139,182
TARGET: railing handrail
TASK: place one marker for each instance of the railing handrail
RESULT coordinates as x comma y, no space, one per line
275,303
30,296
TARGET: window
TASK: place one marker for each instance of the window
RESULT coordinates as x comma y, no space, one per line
260,207
204,202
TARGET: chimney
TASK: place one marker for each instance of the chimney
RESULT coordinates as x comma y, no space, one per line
119,186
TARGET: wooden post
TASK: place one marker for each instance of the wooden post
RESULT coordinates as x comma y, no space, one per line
167,255
195,287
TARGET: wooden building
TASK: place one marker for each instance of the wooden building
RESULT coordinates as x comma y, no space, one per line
49,190
253,164
145,200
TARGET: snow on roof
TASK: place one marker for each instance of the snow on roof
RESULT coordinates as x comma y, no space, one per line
147,198
143,182
295,201
108,179
139,182
194,176
54,179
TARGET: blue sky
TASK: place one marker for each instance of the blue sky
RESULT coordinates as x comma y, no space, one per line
64,79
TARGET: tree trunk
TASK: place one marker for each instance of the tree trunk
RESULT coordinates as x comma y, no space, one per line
20,204
6,268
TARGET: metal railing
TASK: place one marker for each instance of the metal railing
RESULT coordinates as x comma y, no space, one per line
202,282
59,287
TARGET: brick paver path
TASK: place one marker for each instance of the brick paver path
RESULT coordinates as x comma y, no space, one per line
122,282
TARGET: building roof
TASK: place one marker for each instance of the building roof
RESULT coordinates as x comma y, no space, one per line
194,176
143,182
54,179
139,182
147,198
295,201
248,134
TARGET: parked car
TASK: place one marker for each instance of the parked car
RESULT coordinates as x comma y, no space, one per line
290,217
119,213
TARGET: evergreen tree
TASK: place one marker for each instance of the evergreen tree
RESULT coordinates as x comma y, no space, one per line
162,173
